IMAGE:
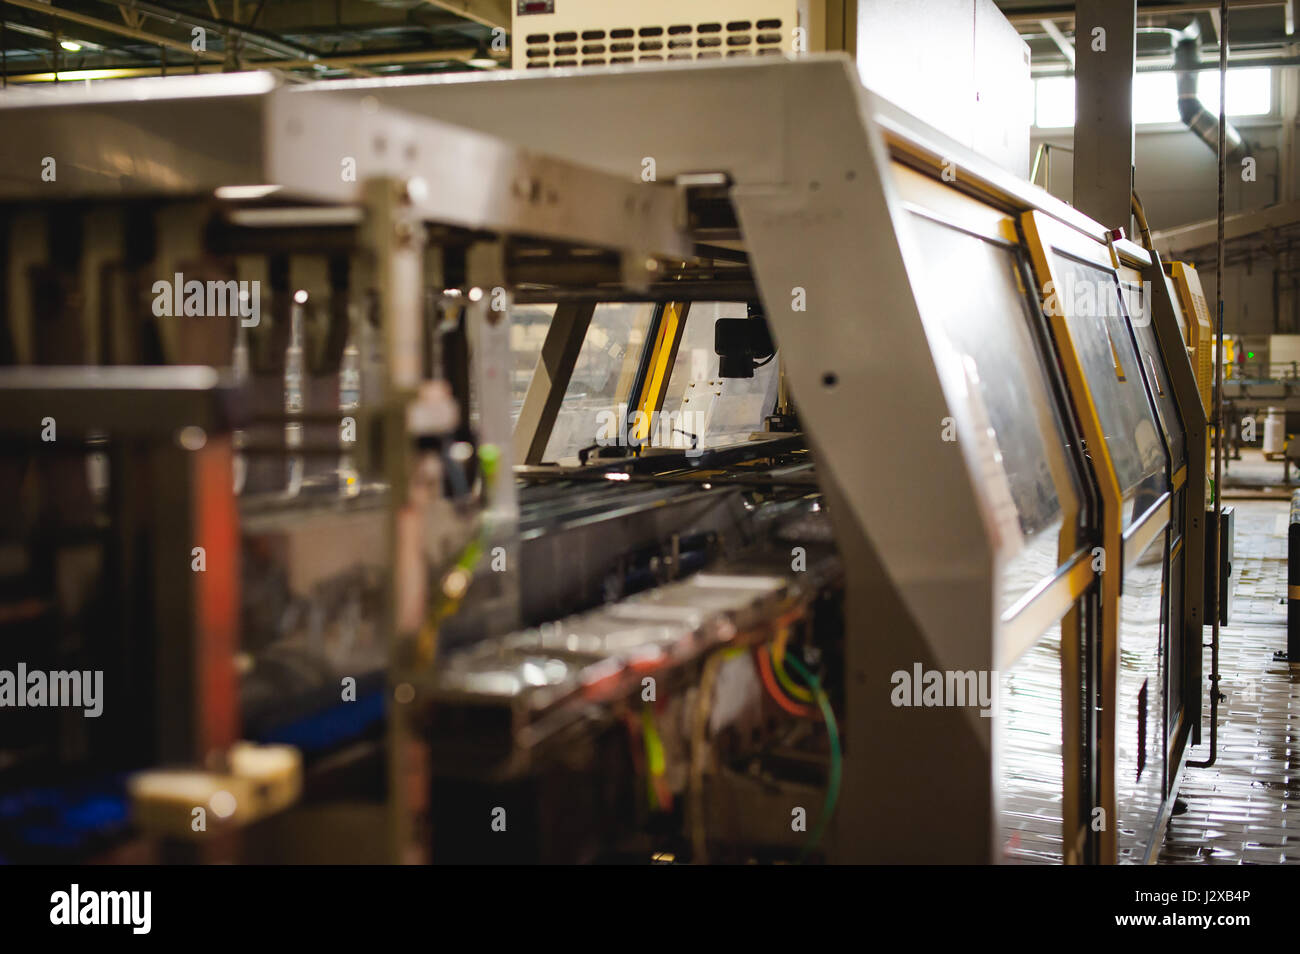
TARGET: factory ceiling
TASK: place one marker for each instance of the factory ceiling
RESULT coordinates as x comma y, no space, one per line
78,39
75,39
1261,32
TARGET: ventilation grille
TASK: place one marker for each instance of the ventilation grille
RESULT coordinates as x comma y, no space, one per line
1205,356
1205,373
655,44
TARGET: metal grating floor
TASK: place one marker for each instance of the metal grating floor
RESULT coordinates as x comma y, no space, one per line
1245,809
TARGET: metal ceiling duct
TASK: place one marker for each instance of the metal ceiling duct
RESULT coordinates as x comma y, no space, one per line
1202,122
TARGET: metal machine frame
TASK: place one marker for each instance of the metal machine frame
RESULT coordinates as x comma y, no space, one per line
411,177
814,209
920,561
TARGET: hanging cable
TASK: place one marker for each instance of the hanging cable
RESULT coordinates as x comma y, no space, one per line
778,666
763,656
1217,535
837,756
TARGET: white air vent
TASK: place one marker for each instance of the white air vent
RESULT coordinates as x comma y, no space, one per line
579,33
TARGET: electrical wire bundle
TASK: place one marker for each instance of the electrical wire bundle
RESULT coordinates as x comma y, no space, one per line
798,701
807,701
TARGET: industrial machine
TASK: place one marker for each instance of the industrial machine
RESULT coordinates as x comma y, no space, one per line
851,516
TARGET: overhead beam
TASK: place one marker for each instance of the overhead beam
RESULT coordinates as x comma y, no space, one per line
234,32
23,28
1065,11
487,13
1178,241
1060,39
238,34
108,26
490,13
405,58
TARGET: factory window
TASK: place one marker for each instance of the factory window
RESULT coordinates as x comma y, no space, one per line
1155,96
1054,102
1250,91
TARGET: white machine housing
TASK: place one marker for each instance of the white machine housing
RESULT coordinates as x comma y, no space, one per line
575,33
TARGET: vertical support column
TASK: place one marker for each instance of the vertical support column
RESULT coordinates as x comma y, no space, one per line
488,322
1284,321
1170,333
395,240
550,380
1105,45
660,356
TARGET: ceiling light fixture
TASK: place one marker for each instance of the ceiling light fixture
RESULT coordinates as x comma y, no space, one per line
482,59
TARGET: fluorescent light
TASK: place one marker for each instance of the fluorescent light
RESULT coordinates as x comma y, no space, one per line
482,59
70,46
238,193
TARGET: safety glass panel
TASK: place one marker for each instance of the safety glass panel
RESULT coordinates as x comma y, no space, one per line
1089,298
1138,299
978,315
719,410
593,407
528,327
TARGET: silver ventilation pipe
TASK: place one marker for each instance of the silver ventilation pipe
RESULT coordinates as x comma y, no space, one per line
1202,122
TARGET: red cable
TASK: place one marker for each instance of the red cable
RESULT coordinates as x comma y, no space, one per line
769,681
